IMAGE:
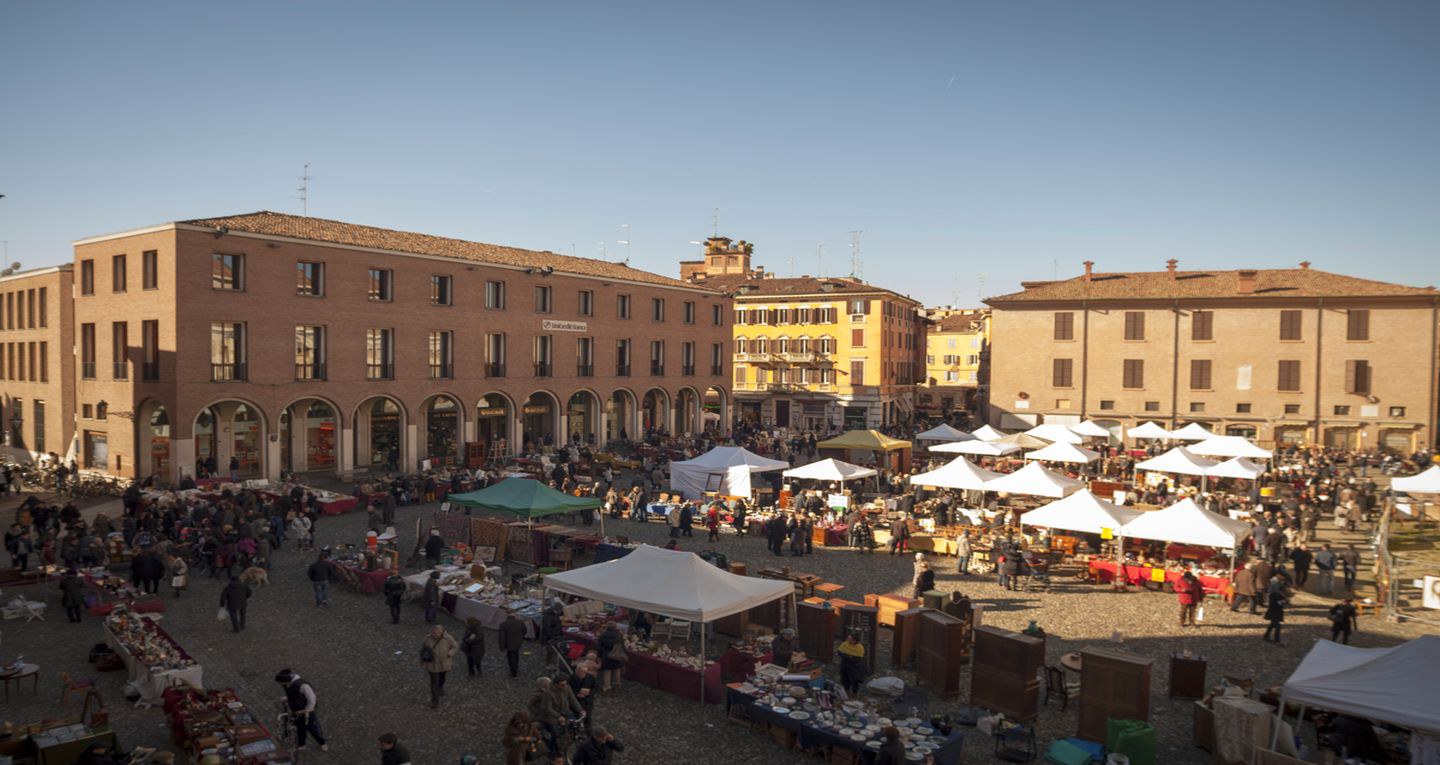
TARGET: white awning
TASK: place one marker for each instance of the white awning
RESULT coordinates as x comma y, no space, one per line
1192,432
1179,461
1237,467
730,467
1230,446
1091,429
960,473
1055,433
1063,452
829,470
943,432
1427,482
1389,685
977,448
1187,523
987,433
1082,512
671,583
1035,480
1148,430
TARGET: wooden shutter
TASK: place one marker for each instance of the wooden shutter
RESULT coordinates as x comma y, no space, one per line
1357,377
1202,325
1290,325
1062,374
1289,375
1357,324
1200,374
857,373
1134,325
857,338
1134,373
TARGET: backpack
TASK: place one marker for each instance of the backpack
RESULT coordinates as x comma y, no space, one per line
427,654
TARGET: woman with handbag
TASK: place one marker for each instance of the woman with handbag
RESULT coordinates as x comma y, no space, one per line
436,656
521,739
612,658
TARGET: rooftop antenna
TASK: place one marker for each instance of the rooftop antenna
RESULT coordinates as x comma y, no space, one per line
1055,269
792,264
626,241
979,288
820,260
856,268
304,191
604,250
715,223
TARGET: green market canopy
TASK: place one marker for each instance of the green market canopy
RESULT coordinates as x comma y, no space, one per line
524,497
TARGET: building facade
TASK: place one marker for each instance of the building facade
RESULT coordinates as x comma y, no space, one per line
815,353
37,363
957,352
1284,355
296,343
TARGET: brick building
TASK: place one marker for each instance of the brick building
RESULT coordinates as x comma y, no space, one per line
37,363
1283,355
957,355
299,343
814,353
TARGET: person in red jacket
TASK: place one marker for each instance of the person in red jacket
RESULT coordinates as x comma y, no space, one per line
1191,594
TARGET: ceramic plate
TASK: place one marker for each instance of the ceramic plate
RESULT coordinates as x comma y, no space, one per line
914,756
857,737
924,730
872,744
799,715
783,710
847,731
788,700
913,721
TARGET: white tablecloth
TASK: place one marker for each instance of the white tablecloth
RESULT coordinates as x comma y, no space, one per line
152,685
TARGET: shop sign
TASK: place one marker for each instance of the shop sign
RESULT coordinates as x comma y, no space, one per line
494,411
560,325
536,409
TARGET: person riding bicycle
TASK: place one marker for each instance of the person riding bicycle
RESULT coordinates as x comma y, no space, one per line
554,706
300,701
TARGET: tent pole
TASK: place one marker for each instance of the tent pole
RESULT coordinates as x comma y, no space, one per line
1279,718
703,626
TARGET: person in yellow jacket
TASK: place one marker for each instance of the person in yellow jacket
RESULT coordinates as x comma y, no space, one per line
852,663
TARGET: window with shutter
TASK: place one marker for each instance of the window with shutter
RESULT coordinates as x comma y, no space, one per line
1357,377
1290,323
1063,373
1134,325
1064,325
857,338
1202,325
1200,374
1289,376
1134,376
857,373
1357,324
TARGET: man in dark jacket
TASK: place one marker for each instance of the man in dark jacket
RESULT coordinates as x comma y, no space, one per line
1301,557
433,547
597,749
146,570
899,534
511,640
431,597
320,573
1263,572
234,598
72,594
301,701
551,630
394,595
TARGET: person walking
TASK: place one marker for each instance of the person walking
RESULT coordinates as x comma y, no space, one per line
521,739
434,545
1244,585
712,523
72,597
320,572
472,644
551,630
1301,558
899,535
431,597
511,640
852,663
1350,565
1275,611
673,520
179,574
1191,593
1325,562
585,686
598,748
300,699
437,653
612,658
1264,572
1344,618
391,752
234,599
963,551
394,593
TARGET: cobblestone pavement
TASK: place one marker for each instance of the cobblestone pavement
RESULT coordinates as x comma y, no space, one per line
366,671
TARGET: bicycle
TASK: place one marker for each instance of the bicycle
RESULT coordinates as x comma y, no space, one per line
286,719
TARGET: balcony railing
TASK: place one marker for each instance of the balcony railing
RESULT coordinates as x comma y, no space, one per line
622,370
584,370
717,370
542,369
379,371
305,372
494,369
755,358
87,370
794,357
227,372
657,370
688,371
441,371
121,370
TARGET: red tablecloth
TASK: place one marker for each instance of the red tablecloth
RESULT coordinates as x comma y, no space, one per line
1192,552
1136,575
338,506
369,582
671,678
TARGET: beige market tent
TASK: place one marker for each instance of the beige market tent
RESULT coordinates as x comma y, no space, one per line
959,473
1064,452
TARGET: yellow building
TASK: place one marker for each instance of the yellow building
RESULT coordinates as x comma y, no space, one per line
957,349
815,353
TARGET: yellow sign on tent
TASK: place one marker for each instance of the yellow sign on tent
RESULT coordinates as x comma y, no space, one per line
1157,574
1107,533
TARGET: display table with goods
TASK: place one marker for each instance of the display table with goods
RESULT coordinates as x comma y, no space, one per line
153,660
216,722
52,743
112,590
817,715
661,666
1141,574
465,597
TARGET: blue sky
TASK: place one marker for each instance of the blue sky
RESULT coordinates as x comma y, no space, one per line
975,144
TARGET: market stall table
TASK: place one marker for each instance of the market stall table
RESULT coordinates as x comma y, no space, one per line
1103,572
367,582
151,681
18,675
337,506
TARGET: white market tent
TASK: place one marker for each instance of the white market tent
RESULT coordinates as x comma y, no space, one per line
1035,480
1082,512
960,473
1022,440
1091,429
1230,446
1148,430
1192,432
943,432
1237,467
1391,685
1063,452
977,448
987,433
830,469
1055,433
724,469
1187,523
671,583
1427,482
1180,461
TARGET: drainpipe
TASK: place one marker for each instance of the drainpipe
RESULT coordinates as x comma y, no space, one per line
1175,364
1434,381
1319,341
1084,358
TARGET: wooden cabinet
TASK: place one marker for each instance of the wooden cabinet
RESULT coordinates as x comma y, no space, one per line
902,641
889,605
815,626
1113,684
1006,672
1187,677
939,650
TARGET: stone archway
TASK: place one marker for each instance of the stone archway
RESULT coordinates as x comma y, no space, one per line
155,455
442,420
655,411
380,424
310,436
715,406
230,440
494,423
687,412
582,417
539,419
620,411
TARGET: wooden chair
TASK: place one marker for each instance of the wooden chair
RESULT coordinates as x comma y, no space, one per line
68,685
1058,686
562,557
670,626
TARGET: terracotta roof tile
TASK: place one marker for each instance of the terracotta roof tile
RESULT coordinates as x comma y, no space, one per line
354,234
1269,283
798,285
960,322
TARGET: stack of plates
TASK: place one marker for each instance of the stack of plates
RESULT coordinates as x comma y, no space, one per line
799,715
782,710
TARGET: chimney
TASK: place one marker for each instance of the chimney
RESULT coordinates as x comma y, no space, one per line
1089,270
1170,267
1245,281
1304,265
